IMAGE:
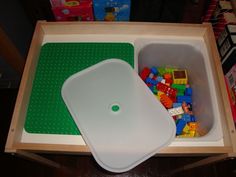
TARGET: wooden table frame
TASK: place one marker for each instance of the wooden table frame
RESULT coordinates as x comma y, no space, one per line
28,150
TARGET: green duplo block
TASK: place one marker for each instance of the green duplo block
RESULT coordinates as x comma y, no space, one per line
161,70
164,70
180,87
170,70
180,93
155,90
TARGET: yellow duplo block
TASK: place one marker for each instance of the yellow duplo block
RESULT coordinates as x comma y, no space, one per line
186,129
180,77
184,136
158,97
159,93
192,133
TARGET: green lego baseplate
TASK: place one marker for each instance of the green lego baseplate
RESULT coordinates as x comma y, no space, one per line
47,113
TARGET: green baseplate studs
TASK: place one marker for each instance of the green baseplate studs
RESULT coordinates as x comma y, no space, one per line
47,113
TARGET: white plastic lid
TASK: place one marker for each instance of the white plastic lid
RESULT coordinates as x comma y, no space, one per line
119,118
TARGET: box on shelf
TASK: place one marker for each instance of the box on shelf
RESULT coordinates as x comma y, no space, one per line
226,40
227,47
220,14
72,10
111,10
223,20
230,78
228,30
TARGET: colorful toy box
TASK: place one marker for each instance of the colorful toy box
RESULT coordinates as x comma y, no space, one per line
72,10
111,10
230,78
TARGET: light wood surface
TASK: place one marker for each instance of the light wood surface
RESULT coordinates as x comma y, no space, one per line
19,114
226,121
38,158
202,31
77,149
226,117
122,28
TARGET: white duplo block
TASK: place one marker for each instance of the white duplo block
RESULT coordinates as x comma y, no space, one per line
176,111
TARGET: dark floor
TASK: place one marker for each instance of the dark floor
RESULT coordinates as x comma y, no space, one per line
86,166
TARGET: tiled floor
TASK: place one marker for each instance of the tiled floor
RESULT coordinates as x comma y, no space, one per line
86,165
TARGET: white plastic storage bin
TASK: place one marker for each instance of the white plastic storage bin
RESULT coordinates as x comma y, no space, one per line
190,55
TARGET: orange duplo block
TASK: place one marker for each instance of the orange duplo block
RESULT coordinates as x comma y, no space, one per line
192,126
167,76
166,101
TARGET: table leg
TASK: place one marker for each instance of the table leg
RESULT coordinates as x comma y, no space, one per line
38,158
205,161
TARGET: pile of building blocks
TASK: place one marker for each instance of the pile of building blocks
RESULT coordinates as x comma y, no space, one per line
171,88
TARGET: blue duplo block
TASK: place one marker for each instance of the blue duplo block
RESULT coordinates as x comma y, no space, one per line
159,78
175,105
151,75
193,118
186,117
151,88
148,80
180,126
181,99
188,91
154,70
154,82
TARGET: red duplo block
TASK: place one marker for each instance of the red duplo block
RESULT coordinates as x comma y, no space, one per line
174,117
166,101
145,73
169,81
149,85
162,87
171,92
173,98
166,89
